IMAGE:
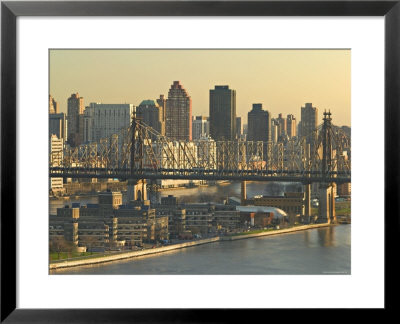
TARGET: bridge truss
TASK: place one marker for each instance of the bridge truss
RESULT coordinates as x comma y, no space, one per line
139,152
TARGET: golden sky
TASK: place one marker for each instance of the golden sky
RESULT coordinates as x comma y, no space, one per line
282,80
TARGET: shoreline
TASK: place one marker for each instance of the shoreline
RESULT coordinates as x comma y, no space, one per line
128,255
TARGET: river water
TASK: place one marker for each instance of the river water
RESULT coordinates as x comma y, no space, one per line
312,252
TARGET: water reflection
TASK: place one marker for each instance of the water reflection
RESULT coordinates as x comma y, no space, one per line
326,237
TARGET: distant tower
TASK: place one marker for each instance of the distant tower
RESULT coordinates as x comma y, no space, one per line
259,124
291,126
309,119
53,105
103,120
162,103
178,114
223,113
238,127
75,110
274,130
58,125
200,127
282,128
152,115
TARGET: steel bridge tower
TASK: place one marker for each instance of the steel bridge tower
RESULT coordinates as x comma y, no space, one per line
326,211
137,188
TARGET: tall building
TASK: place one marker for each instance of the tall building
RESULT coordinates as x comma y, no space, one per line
75,109
88,122
282,129
103,120
259,124
309,119
162,103
152,115
58,125
200,127
223,113
56,156
238,127
291,126
53,105
178,113
274,130
245,129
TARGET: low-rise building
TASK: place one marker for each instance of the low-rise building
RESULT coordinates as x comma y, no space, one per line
261,216
109,223
290,202
176,216
93,234
225,217
199,218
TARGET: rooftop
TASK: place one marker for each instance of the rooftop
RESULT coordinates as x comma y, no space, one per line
262,209
148,102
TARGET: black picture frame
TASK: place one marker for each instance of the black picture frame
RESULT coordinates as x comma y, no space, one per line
10,10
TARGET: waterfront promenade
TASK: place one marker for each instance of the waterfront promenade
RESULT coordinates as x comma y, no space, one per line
134,254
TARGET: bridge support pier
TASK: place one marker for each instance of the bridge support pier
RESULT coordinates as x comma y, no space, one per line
326,211
243,195
307,202
136,190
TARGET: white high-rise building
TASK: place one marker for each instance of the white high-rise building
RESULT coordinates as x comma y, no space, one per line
56,155
103,120
200,127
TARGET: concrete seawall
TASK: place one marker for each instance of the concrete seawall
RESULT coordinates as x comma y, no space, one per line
275,232
133,254
127,255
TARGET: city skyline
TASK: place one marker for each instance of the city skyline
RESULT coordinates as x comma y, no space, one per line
117,171
282,80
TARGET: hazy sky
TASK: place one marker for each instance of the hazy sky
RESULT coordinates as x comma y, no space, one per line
282,80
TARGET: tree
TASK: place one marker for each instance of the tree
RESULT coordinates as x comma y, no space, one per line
111,243
90,241
59,244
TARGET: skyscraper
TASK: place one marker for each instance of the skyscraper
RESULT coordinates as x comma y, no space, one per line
178,113
274,130
291,126
282,129
103,120
244,134
238,127
58,126
56,156
259,124
152,115
162,103
75,109
53,105
309,119
223,113
200,127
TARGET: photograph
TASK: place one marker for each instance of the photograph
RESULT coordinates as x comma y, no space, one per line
199,161
195,163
